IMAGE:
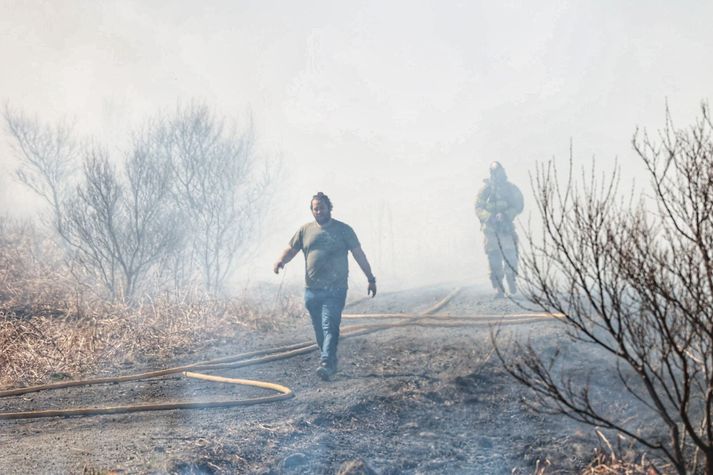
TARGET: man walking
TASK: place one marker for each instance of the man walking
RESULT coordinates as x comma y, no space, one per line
496,206
325,243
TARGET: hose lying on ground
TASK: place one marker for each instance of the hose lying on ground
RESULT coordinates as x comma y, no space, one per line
254,358
284,393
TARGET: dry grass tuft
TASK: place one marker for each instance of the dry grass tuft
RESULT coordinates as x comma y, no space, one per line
50,328
621,461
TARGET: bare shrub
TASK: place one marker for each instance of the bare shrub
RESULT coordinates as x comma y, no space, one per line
218,187
182,205
119,230
635,279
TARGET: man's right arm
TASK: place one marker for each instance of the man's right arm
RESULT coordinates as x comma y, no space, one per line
286,257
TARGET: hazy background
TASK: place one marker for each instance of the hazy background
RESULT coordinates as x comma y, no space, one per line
394,109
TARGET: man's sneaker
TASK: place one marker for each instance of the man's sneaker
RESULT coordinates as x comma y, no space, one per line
324,372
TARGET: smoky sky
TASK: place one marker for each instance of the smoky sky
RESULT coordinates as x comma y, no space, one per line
393,108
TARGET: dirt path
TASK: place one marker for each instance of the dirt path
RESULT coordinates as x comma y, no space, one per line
406,400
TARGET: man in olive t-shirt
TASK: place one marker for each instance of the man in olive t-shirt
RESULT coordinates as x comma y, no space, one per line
325,243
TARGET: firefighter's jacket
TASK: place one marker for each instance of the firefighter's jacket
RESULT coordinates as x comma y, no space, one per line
493,198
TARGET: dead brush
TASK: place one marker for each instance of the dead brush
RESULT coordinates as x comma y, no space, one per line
29,279
621,461
52,328
103,337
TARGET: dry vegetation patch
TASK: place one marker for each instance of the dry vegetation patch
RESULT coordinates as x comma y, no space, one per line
51,328
623,459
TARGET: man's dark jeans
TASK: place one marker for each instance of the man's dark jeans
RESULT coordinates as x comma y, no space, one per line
325,307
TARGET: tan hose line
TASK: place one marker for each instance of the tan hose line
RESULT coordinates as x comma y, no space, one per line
422,319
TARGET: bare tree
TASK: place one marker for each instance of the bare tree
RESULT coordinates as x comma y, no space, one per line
48,158
219,186
634,278
91,217
118,229
116,224
184,201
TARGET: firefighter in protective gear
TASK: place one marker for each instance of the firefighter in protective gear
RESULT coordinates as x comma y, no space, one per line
497,205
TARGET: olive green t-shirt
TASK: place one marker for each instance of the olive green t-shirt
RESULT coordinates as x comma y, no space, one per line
325,249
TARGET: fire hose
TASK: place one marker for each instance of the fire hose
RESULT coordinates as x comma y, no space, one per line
425,318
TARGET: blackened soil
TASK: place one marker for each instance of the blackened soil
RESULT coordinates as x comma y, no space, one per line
406,400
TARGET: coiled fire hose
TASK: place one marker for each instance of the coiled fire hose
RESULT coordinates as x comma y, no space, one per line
425,318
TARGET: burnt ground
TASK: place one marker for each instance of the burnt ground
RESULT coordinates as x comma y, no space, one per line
406,400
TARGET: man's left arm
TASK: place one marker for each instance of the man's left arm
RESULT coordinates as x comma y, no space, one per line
363,262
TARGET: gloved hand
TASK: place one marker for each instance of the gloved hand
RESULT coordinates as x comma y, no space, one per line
496,218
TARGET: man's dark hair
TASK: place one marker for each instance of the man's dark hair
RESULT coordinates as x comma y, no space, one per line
323,198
